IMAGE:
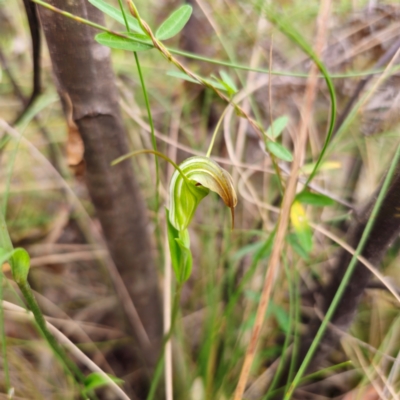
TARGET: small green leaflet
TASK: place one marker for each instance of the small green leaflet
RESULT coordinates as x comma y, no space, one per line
279,312
174,23
228,82
118,42
279,151
245,250
315,199
116,14
182,75
277,127
20,265
186,262
293,241
96,380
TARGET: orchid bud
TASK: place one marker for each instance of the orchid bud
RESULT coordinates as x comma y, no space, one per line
201,174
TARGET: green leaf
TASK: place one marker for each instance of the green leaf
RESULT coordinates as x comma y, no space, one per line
265,250
118,42
282,317
182,75
186,262
96,380
293,241
20,265
277,127
249,248
179,247
300,225
116,14
174,23
228,82
315,199
279,151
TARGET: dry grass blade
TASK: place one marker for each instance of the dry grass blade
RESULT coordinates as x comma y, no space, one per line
286,205
122,291
22,313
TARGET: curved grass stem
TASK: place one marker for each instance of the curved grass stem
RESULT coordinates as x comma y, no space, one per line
347,276
69,365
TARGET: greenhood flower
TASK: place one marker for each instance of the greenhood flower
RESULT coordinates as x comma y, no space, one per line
201,175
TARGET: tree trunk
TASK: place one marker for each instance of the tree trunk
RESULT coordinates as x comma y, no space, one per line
84,75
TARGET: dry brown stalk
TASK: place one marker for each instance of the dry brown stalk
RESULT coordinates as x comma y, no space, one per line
288,198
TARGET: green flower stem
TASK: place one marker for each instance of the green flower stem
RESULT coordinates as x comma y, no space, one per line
215,133
152,133
160,364
69,365
347,276
156,153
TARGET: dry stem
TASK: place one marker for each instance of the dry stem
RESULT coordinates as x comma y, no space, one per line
286,205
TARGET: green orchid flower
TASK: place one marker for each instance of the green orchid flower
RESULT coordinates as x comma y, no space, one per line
190,183
201,175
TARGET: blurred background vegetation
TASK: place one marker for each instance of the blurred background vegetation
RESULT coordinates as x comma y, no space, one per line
70,267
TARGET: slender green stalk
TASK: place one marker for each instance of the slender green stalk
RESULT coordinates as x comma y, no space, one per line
221,118
156,153
6,193
355,74
151,123
296,333
3,336
160,364
23,284
5,243
291,288
297,38
152,132
347,276
69,365
314,375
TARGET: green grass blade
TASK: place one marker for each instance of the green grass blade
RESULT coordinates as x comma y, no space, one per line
297,38
347,276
